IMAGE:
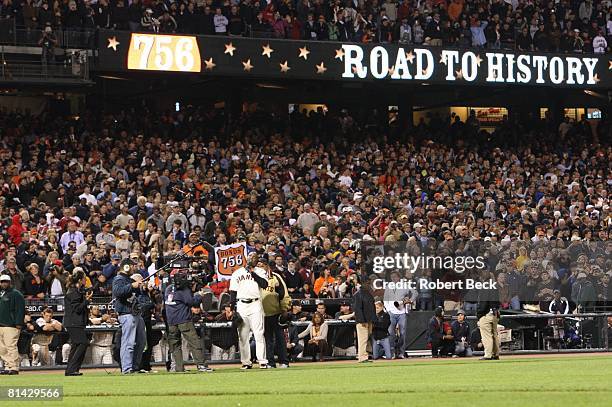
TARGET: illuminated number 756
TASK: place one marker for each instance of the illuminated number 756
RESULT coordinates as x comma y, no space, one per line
166,56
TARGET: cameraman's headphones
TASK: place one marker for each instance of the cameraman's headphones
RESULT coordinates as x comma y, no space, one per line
125,265
77,276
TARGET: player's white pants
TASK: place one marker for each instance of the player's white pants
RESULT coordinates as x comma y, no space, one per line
65,352
252,323
101,355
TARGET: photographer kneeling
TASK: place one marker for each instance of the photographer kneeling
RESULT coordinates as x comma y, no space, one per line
178,300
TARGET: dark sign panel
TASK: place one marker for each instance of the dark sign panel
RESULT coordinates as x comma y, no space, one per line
268,58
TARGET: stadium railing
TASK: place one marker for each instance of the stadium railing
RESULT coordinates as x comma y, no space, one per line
597,319
23,70
11,34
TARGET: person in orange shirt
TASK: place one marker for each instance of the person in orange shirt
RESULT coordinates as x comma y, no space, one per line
324,282
455,9
195,247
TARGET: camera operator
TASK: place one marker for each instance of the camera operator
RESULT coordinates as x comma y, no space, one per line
199,250
178,300
133,336
146,303
57,280
48,41
75,321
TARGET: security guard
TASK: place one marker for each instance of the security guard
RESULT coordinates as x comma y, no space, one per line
488,317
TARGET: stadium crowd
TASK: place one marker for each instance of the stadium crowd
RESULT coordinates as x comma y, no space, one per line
565,26
88,192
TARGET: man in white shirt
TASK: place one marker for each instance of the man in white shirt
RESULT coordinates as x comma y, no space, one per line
71,235
91,200
307,219
599,43
220,22
345,178
398,303
245,295
196,216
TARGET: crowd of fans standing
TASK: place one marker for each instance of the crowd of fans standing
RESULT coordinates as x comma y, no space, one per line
90,192
86,193
565,26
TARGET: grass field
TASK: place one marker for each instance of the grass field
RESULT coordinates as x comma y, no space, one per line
543,381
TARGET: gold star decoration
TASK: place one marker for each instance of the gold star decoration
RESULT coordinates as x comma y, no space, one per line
459,74
392,70
112,43
209,64
596,78
267,51
229,49
247,65
339,54
284,68
443,59
478,60
304,53
410,56
321,68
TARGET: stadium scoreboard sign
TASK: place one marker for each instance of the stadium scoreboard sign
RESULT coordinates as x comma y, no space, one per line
420,64
273,59
168,53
